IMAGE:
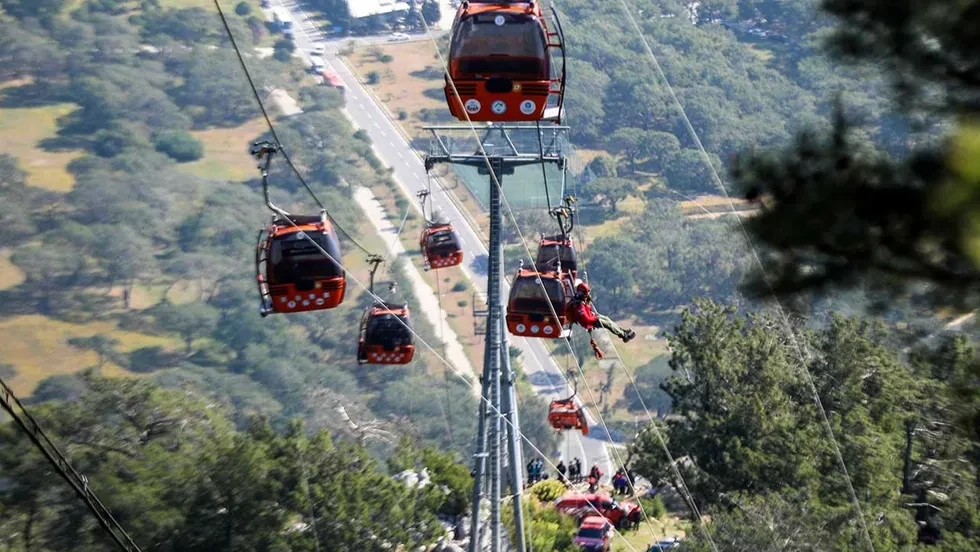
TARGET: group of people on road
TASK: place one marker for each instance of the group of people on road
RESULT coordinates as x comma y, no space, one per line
573,471
535,471
622,481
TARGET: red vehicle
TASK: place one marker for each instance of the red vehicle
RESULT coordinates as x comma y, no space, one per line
595,534
584,505
332,79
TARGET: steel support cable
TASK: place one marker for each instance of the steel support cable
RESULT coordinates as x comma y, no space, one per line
58,461
299,175
689,496
801,351
275,136
503,196
455,370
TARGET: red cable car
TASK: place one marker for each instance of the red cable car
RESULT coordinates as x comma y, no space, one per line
385,335
565,414
500,60
440,245
555,249
529,308
292,272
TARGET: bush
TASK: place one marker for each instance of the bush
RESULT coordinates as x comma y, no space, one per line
653,507
362,135
7,371
462,303
243,9
386,58
63,387
548,490
373,77
460,286
148,359
180,146
402,115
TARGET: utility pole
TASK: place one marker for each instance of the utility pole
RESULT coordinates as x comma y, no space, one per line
498,425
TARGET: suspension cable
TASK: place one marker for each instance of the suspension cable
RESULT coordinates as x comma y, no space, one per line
455,370
325,253
802,351
275,136
496,182
58,461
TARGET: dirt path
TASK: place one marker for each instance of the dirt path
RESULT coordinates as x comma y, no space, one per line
286,104
428,301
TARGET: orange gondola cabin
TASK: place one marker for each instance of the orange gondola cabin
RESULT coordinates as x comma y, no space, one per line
386,335
553,249
535,298
564,414
293,273
440,245
501,60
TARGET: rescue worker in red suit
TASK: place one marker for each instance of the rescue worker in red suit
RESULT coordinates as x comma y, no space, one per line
581,312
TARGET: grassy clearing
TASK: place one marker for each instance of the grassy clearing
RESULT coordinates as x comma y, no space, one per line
37,347
144,297
226,153
22,131
10,275
763,54
649,533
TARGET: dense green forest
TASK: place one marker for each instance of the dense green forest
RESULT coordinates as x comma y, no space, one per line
860,207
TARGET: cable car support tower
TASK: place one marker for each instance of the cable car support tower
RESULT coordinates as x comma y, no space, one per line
501,148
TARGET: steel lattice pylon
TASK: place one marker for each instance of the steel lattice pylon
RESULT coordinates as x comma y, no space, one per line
500,149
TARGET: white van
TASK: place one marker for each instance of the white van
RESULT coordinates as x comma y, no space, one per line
318,64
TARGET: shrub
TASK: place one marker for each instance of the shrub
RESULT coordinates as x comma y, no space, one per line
386,58
373,77
7,371
243,9
179,145
462,303
653,507
362,135
548,490
402,115
460,286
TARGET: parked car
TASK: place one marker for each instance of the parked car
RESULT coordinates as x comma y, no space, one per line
318,50
398,37
594,535
318,64
584,505
668,543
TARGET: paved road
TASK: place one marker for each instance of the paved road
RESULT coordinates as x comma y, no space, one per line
408,171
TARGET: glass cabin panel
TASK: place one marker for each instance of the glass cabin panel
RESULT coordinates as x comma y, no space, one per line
293,258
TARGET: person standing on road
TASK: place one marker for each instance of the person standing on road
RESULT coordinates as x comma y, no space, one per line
561,470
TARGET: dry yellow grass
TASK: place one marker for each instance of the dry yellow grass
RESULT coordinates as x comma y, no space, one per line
10,275
398,89
709,201
37,347
226,152
21,131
